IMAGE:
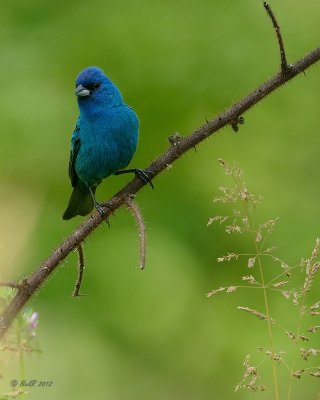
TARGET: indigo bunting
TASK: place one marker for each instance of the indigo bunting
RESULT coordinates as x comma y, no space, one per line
103,142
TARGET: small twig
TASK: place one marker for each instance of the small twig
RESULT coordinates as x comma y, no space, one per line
76,290
14,285
284,64
136,212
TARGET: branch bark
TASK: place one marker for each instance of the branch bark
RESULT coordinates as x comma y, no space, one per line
137,214
284,64
76,290
32,283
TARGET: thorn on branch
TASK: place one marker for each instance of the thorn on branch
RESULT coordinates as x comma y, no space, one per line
284,65
80,271
235,122
175,138
136,212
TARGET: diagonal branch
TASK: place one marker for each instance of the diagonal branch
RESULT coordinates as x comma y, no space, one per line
174,152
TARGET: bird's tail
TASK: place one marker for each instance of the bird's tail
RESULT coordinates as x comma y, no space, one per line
80,203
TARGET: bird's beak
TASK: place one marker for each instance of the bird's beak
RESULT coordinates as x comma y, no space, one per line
81,91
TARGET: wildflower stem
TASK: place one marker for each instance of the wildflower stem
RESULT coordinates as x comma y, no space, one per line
21,351
254,231
274,365
295,357
282,273
311,267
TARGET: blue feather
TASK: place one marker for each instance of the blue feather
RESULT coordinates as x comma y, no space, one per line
104,140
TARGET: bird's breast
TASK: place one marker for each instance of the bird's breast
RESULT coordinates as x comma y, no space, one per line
108,143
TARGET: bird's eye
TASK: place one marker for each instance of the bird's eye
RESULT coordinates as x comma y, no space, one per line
96,85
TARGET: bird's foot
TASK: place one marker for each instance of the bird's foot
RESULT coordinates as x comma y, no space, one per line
145,176
101,211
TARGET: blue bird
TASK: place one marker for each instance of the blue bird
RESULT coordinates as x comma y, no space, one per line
103,142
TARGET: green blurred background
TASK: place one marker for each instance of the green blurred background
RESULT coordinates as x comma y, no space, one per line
154,334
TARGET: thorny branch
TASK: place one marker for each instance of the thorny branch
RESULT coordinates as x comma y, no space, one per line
80,271
33,282
284,64
135,210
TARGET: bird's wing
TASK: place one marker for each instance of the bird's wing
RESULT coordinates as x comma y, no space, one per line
75,147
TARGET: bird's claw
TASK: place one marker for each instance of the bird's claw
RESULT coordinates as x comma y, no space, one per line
101,211
144,175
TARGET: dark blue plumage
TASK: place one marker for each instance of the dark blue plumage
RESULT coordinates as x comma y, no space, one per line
103,142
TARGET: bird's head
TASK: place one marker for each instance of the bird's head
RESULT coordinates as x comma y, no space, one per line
94,88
